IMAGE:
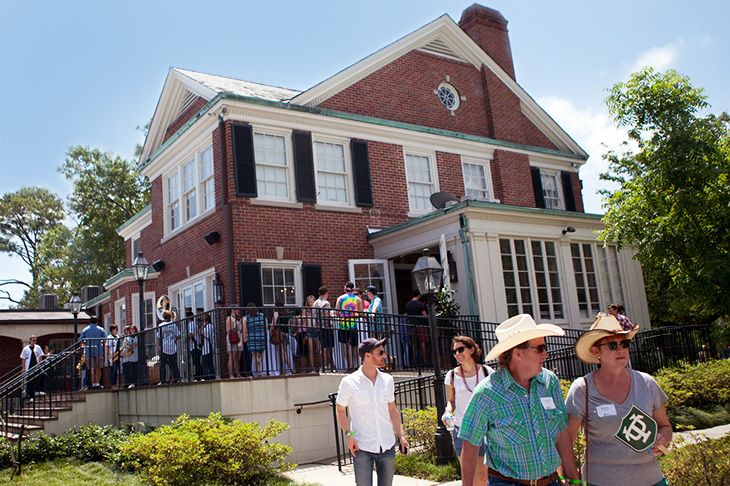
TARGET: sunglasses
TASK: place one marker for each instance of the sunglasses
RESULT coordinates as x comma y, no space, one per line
380,353
458,350
541,348
613,345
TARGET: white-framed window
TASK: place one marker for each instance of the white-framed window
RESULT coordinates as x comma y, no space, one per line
173,201
279,284
273,168
194,293
531,275
120,313
333,181
108,323
552,189
206,178
586,279
149,311
477,179
421,180
190,189
373,272
610,275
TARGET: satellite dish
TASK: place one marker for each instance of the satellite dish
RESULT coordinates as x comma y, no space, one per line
439,199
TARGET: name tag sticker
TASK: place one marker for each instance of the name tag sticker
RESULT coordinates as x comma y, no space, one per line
606,410
547,403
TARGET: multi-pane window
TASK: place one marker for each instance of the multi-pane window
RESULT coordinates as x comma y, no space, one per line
547,280
586,280
278,285
536,287
372,272
610,275
189,190
420,182
331,172
193,298
551,189
120,313
206,178
173,200
477,182
272,172
516,277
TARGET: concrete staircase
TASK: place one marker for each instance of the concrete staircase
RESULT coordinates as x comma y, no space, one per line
35,415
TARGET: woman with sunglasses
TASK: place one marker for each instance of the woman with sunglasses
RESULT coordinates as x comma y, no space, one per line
611,391
460,383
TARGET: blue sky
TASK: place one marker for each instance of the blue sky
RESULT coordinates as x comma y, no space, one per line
89,72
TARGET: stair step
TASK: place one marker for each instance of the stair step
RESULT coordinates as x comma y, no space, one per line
31,417
15,427
12,437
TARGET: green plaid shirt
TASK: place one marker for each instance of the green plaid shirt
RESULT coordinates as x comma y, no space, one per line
518,429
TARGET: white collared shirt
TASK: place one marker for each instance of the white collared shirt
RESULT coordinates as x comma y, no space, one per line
368,409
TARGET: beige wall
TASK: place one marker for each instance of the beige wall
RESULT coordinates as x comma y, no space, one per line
310,434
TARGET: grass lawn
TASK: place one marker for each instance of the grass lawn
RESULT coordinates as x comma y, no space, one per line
72,471
69,471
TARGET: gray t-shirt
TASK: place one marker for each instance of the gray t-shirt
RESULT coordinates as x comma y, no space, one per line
610,461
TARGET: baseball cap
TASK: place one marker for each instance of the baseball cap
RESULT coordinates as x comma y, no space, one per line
367,346
371,288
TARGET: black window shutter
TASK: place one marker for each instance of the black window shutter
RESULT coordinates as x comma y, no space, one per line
243,159
304,167
312,278
568,191
361,166
249,275
537,186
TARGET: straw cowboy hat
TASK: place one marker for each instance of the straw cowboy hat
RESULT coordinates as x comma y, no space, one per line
603,326
517,330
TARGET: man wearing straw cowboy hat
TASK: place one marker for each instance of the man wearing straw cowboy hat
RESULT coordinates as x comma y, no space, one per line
518,412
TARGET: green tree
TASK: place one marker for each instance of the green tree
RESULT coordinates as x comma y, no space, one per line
108,190
673,200
26,216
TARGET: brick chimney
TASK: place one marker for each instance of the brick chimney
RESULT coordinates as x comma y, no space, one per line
488,28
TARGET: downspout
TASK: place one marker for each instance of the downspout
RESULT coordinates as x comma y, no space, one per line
227,210
466,246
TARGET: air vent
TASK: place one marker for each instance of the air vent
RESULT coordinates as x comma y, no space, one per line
186,102
439,48
48,302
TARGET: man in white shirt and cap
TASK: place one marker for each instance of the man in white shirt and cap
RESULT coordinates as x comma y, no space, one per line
369,395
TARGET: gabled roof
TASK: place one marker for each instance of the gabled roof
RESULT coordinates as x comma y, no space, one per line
441,37
181,89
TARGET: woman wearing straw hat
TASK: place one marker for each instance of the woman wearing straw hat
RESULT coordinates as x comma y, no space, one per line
612,390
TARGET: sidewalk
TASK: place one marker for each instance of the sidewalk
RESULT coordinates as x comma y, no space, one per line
329,475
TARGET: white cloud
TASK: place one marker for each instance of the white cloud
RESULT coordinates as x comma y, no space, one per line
596,133
660,58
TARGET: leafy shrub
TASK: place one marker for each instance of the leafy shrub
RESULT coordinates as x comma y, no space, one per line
87,443
420,429
701,385
210,450
706,463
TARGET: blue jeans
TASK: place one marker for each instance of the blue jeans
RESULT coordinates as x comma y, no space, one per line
384,466
502,482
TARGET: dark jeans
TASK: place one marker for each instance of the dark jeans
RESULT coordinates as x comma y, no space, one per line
196,369
171,361
130,372
114,373
208,368
245,363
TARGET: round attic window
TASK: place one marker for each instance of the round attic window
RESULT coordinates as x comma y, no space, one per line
448,96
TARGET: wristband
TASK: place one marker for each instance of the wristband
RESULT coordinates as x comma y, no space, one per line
571,481
348,434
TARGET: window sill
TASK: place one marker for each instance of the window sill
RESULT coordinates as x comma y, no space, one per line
279,204
189,224
338,209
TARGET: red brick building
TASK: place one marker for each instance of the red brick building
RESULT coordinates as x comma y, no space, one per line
277,191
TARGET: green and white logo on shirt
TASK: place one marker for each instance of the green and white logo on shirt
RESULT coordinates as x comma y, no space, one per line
637,430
